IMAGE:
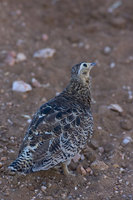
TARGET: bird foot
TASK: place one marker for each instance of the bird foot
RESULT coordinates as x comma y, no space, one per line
66,171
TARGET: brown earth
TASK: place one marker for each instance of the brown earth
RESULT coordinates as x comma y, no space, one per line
79,31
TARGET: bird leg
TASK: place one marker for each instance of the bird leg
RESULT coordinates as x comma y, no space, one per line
66,171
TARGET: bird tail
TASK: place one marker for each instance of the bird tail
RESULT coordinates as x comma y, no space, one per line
22,164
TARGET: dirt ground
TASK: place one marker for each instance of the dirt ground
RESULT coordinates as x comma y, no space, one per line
88,30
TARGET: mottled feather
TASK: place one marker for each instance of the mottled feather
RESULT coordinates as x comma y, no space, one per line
59,129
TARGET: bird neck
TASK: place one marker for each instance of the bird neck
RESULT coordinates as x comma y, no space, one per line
80,91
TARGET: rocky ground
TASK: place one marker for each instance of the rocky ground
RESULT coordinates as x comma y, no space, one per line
74,31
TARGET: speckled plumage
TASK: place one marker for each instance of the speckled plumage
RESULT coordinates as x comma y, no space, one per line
60,128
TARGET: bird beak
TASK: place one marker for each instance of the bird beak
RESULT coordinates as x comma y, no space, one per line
90,65
93,64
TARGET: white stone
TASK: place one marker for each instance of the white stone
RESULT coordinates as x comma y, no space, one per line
115,107
114,6
20,57
127,140
43,188
29,121
75,188
26,116
107,50
21,86
35,82
112,65
130,94
99,128
44,53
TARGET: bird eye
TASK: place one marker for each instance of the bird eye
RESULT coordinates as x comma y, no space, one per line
85,65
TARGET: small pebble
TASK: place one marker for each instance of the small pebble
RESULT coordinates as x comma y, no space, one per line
2,91
33,198
6,73
82,157
57,93
63,195
20,57
11,151
116,165
1,164
11,58
10,122
87,46
1,150
45,85
88,170
35,82
94,144
108,148
101,149
3,158
130,95
127,140
129,59
114,6
118,22
112,65
44,99
43,188
75,188
122,170
99,128
26,116
115,107
29,121
130,196
90,155
120,181
99,165
80,44
44,37
49,185
127,182
107,50
83,171
105,177
21,86
44,53
126,125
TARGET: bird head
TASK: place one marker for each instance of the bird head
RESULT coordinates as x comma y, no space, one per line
81,72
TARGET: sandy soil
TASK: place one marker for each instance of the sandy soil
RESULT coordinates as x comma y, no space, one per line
86,30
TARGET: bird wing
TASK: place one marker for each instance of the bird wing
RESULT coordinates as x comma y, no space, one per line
51,126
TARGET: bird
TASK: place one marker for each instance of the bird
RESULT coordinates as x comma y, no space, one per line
60,128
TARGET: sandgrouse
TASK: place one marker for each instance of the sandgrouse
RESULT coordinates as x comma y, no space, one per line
60,128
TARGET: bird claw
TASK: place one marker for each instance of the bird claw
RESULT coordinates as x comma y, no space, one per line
66,171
